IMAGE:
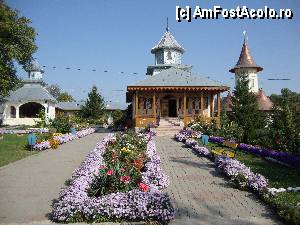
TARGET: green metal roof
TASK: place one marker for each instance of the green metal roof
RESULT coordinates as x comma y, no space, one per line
177,77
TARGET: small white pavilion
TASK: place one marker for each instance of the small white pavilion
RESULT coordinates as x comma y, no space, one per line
22,106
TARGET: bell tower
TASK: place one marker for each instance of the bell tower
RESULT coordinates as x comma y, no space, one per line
246,66
168,53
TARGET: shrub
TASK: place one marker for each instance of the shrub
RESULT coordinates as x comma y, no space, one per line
61,124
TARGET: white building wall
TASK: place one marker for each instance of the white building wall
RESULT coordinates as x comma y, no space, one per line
251,75
35,75
168,56
7,120
172,56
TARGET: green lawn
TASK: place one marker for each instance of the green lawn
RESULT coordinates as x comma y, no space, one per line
13,148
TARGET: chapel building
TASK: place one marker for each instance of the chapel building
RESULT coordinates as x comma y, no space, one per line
171,89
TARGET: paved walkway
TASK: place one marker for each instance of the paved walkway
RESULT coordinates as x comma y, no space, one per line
28,186
202,195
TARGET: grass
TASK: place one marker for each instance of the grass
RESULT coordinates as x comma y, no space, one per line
13,148
278,176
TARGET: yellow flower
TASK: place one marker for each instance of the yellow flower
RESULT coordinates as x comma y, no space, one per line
125,150
54,144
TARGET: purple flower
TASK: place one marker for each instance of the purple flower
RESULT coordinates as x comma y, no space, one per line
203,151
235,169
190,142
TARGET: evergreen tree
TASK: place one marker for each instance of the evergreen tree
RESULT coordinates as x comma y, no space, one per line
94,105
285,126
245,111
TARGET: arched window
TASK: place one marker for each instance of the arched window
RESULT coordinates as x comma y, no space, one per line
30,110
169,55
12,112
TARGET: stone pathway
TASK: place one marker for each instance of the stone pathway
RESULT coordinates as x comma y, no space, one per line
202,195
28,186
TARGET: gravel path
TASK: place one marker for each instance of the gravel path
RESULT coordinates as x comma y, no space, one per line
28,186
202,195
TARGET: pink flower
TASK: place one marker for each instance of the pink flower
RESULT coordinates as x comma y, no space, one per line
110,172
125,179
143,187
102,166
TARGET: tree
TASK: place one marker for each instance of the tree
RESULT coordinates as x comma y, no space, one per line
285,126
57,93
245,111
16,45
94,105
65,97
119,117
54,90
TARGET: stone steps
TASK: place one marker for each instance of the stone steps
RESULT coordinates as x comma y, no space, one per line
168,127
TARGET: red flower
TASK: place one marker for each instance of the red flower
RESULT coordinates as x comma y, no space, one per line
102,166
143,187
110,172
125,179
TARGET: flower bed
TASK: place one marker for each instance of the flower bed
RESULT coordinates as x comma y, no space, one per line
185,134
241,174
60,139
237,171
144,201
27,131
285,157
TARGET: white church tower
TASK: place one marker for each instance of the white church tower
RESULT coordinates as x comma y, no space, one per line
168,53
246,66
34,71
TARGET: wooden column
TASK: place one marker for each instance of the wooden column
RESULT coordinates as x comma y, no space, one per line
184,104
154,105
136,104
177,113
201,104
219,104
212,105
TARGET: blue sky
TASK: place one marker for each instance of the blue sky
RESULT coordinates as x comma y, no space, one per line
117,36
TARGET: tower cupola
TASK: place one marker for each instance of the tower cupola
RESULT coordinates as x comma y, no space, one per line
35,72
168,53
246,66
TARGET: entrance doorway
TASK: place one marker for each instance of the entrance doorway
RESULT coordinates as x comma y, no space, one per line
172,108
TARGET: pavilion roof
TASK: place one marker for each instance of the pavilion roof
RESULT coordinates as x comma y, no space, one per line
31,91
